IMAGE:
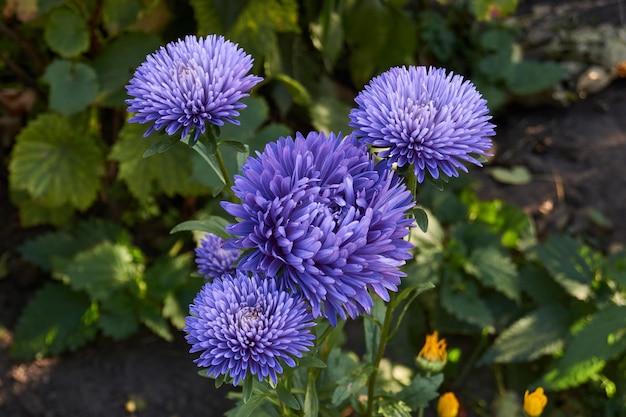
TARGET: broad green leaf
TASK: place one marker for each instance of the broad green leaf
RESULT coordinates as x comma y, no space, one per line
168,172
422,390
207,17
517,175
73,86
465,304
266,134
311,402
212,224
536,282
435,32
561,256
118,14
67,33
34,212
529,77
352,383
150,315
101,270
56,162
117,61
329,114
603,337
494,268
44,249
55,320
547,327
118,318
166,274
300,94
578,374
287,397
250,408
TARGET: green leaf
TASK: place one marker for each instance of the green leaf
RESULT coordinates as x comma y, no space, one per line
311,402
212,224
547,327
168,172
391,407
287,397
494,268
150,315
266,134
55,320
117,61
67,33
436,34
327,34
56,162
492,9
118,14
421,391
329,114
529,77
34,212
247,409
311,362
561,256
603,337
47,249
119,318
421,218
372,325
517,175
578,374
207,18
466,304
300,94
101,270
73,86
352,383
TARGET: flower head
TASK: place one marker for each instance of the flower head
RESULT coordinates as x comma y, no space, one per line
243,324
425,118
535,402
189,83
448,405
319,215
214,261
433,355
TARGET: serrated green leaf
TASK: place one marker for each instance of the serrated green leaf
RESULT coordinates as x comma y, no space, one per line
67,33
561,256
55,320
547,327
392,407
169,172
494,268
73,86
150,315
34,212
603,337
207,18
529,77
421,391
119,318
212,224
56,163
465,304
101,270
539,286
352,383
117,61
578,374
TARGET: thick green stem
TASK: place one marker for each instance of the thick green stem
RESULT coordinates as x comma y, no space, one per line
220,161
384,335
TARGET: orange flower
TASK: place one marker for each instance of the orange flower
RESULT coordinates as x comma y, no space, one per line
535,402
448,405
433,355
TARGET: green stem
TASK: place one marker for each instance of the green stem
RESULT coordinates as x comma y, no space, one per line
220,161
384,335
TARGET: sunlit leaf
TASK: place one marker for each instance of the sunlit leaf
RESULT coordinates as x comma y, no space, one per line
495,269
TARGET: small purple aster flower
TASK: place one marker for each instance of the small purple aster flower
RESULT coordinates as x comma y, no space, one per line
318,214
214,261
189,83
425,118
244,324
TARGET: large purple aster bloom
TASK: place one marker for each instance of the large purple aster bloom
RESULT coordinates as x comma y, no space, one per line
318,214
243,324
424,117
214,261
189,83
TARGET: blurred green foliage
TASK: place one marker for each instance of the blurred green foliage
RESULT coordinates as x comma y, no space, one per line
77,162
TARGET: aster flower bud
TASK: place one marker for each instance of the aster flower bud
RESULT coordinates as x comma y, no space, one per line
191,83
214,261
448,405
245,325
535,402
321,217
425,118
433,356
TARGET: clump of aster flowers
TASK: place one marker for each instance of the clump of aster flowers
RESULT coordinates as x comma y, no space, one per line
424,117
191,83
244,325
212,259
321,217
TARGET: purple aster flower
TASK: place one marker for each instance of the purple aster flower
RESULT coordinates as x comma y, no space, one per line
189,83
319,215
425,118
244,324
214,261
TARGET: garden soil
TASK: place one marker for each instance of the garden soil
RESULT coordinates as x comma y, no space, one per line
576,156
